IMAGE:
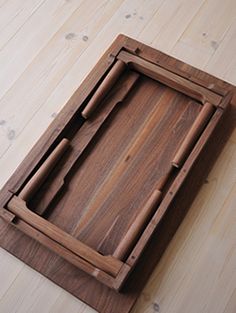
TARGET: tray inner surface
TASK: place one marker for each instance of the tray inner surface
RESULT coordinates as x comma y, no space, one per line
95,196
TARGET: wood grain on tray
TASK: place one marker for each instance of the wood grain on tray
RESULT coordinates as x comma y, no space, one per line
101,193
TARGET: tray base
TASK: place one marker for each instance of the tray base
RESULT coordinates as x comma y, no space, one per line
87,289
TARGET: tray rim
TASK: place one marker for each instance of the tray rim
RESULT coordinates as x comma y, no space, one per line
52,134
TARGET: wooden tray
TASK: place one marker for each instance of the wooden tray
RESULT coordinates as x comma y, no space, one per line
109,176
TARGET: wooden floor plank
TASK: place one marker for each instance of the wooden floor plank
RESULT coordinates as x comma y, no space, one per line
72,305
29,295
25,44
223,62
9,269
169,22
230,307
19,14
204,34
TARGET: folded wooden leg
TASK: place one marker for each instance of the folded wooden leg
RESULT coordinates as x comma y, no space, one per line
42,173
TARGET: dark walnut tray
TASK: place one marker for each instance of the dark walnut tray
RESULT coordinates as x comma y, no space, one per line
96,201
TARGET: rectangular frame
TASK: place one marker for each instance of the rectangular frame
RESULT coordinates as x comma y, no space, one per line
108,270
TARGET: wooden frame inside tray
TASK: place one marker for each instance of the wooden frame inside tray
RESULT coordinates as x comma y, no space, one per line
102,181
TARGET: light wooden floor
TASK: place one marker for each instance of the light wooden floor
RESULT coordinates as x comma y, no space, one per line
46,49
